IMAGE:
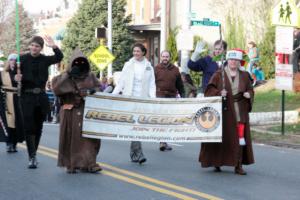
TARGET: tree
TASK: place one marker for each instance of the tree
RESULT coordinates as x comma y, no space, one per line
267,52
4,6
8,37
254,14
172,46
235,33
81,30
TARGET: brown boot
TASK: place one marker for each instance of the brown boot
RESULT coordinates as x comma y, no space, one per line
95,169
217,169
238,169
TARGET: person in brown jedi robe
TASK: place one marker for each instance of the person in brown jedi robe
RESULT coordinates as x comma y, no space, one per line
12,109
168,83
75,152
236,147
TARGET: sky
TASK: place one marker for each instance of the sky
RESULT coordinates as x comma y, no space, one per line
35,6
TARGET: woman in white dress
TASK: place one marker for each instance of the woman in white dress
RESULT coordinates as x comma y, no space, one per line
137,79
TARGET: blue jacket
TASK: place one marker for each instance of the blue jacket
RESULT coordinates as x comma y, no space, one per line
207,66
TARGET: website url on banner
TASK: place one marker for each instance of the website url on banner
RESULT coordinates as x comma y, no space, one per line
137,137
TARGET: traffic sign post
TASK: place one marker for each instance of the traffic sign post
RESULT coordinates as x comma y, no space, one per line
285,17
101,57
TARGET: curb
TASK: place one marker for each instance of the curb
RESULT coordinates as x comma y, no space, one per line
264,131
274,143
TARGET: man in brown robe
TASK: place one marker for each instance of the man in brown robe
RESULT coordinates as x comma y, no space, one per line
239,97
168,83
75,151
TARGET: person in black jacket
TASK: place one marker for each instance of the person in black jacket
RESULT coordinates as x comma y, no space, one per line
34,100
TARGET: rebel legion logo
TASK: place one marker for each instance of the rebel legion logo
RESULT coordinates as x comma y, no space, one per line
207,119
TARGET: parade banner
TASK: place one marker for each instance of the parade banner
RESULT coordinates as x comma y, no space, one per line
117,117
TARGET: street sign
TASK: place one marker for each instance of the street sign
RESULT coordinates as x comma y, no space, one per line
101,57
204,22
286,13
284,39
284,77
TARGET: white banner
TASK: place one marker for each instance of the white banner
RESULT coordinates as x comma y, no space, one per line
116,117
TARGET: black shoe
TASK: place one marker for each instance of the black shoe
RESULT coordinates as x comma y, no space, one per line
32,163
14,148
162,146
217,169
168,148
142,160
9,148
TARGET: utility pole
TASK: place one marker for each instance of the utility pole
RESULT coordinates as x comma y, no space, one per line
186,27
163,25
109,34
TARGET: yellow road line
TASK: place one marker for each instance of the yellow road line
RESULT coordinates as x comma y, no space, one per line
142,177
148,186
158,182
132,181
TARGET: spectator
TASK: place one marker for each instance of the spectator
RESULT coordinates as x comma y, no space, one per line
190,90
253,55
110,86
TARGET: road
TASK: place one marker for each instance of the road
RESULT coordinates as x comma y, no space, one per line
166,175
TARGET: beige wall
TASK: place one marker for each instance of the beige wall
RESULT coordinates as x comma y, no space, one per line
134,8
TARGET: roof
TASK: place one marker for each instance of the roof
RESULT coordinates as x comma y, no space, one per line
145,27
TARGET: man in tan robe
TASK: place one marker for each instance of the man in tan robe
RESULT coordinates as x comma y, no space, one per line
75,151
239,97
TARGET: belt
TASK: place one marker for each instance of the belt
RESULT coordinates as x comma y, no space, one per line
9,89
34,90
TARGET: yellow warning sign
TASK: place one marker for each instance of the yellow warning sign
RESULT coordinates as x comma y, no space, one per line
101,57
286,13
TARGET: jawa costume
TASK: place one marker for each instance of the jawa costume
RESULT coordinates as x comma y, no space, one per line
75,151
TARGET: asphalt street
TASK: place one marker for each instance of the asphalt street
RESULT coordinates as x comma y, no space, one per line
166,175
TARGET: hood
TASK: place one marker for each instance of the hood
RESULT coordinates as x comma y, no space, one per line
169,66
77,53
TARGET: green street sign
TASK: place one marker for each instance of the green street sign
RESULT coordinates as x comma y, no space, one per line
204,22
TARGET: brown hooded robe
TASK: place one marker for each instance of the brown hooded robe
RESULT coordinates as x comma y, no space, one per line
75,151
227,152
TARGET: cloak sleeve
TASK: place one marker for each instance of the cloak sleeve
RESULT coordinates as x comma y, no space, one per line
62,84
214,86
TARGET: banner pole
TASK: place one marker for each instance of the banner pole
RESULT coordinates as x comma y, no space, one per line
18,46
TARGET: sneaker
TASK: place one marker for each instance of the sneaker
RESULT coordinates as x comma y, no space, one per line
32,163
142,160
9,148
164,147
14,148
168,148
